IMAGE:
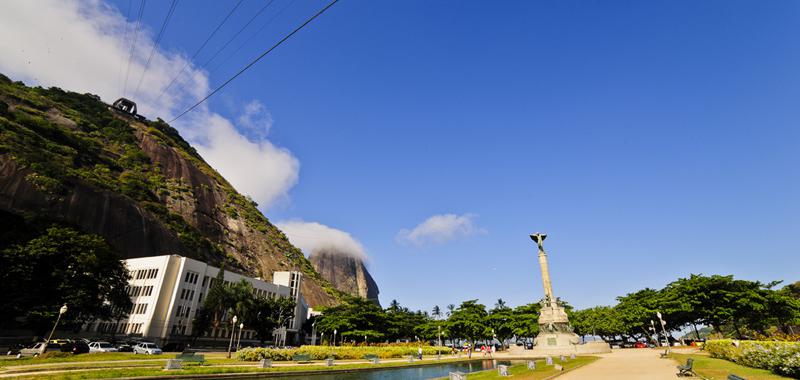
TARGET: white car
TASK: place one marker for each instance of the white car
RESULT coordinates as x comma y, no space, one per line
102,347
147,349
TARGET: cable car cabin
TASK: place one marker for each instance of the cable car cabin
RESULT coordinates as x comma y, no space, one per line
127,106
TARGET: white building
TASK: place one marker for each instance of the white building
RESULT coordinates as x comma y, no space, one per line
167,291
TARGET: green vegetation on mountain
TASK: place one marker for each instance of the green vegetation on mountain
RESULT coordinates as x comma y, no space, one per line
59,148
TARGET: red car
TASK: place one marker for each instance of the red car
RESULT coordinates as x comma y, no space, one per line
639,345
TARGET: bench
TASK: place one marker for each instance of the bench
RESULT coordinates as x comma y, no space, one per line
502,370
457,376
301,358
372,358
664,354
734,377
686,370
188,356
265,363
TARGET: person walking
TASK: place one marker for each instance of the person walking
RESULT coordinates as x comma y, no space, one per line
419,353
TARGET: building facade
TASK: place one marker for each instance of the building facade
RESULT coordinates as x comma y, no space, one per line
166,292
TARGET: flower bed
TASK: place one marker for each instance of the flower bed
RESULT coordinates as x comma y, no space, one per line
779,357
323,352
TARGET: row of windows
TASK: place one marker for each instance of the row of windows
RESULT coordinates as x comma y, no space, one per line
144,291
144,274
191,277
263,293
225,333
113,327
138,308
187,294
178,330
181,312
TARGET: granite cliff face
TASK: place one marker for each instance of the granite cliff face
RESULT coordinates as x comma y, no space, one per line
347,273
67,157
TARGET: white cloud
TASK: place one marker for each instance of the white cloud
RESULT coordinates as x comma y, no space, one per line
440,229
255,118
313,237
84,46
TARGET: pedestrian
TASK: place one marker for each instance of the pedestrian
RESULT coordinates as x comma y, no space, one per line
494,349
419,352
483,350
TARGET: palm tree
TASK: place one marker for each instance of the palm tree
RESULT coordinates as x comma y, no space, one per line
437,312
450,309
500,304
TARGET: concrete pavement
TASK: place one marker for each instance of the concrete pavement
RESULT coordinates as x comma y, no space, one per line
626,364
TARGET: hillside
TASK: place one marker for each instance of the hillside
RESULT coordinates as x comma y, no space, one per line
67,157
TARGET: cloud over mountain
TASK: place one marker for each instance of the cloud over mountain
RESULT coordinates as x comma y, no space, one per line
313,237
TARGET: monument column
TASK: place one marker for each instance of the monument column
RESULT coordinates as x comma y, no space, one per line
546,284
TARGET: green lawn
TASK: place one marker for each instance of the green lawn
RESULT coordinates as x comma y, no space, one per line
542,371
719,369
6,361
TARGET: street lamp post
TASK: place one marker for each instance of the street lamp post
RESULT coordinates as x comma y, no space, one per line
314,333
334,337
61,312
239,338
655,332
664,329
230,344
439,347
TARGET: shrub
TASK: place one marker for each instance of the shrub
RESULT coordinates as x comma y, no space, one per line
323,352
780,357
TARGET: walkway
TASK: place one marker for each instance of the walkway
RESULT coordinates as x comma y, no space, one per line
626,364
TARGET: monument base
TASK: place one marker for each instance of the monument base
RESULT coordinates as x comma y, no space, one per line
567,346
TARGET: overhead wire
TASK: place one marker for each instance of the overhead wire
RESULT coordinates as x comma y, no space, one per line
156,42
122,58
238,32
133,46
257,32
203,45
253,62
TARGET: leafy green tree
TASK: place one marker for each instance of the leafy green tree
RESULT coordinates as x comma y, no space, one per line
636,310
63,266
525,320
468,322
501,320
269,313
602,321
354,314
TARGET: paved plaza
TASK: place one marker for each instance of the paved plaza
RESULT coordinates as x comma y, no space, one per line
626,364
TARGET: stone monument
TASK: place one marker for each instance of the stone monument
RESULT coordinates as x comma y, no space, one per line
555,333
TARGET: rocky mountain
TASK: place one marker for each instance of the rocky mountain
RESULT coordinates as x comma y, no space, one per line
70,158
346,272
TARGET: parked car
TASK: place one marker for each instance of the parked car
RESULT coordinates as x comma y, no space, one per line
125,347
147,349
529,345
14,349
68,345
640,345
102,347
33,350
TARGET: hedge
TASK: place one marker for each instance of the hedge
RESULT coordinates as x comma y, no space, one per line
323,352
780,357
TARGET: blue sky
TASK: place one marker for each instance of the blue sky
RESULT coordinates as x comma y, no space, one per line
649,140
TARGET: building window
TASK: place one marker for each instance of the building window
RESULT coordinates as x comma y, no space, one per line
179,311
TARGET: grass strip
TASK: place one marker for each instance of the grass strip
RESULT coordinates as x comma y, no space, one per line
711,368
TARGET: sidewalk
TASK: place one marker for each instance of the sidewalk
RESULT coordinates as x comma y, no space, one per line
626,364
